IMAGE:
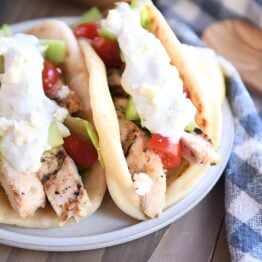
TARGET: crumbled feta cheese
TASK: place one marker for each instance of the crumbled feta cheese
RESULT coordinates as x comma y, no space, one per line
142,183
63,92
23,133
148,91
63,130
5,124
35,118
60,114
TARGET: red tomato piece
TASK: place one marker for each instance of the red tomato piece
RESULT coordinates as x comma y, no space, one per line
108,50
169,152
82,152
87,30
50,75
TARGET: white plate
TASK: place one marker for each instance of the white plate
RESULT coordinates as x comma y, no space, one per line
109,226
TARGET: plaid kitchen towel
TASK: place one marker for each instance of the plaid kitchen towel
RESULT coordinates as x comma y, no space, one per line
200,13
243,200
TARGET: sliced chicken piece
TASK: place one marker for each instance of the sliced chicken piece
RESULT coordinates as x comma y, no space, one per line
197,148
114,77
114,81
65,97
63,185
142,160
120,105
71,102
25,191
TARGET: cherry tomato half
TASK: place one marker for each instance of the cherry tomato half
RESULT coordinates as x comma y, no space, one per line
82,152
87,30
50,75
169,152
108,50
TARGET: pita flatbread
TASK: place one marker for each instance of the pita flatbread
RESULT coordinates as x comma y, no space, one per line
77,77
209,118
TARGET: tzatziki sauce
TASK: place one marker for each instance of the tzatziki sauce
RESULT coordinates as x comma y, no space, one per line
149,78
25,112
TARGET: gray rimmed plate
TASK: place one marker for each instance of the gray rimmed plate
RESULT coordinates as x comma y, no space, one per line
109,226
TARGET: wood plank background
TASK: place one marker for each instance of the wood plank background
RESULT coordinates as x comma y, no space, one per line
199,236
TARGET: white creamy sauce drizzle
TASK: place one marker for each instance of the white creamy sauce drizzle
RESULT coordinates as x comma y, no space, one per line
25,112
149,77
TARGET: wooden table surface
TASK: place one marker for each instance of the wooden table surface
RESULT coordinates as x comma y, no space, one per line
199,236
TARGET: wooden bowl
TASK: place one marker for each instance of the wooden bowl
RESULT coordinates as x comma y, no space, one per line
240,42
100,3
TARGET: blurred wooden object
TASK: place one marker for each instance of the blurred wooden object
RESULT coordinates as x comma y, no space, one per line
240,42
100,3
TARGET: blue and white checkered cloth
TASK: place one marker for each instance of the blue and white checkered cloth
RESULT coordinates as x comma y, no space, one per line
243,200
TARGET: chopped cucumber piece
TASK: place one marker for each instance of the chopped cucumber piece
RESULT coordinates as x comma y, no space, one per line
91,15
56,50
84,130
130,112
5,30
106,34
134,3
191,127
2,64
145,18
54,137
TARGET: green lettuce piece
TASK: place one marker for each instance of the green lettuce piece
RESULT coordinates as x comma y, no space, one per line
5,30
54,136
91,15
84,130
56,50
106,34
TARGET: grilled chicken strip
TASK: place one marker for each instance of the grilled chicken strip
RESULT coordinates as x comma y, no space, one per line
114,81
65,97
63,185
198,149
25,191
142,160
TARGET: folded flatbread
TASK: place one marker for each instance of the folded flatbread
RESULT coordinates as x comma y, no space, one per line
77,78
186,177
